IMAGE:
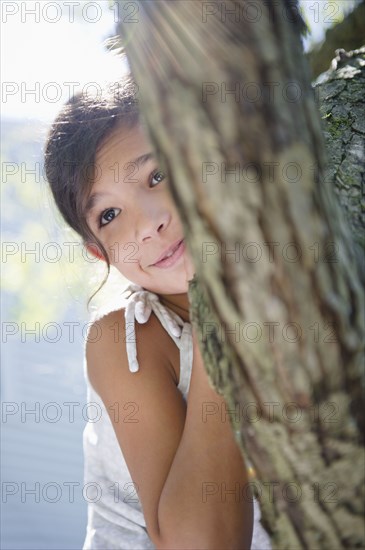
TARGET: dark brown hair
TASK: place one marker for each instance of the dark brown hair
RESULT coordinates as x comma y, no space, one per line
75,137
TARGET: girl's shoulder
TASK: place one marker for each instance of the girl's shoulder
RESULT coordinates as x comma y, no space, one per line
107,339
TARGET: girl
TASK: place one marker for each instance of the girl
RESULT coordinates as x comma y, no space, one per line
161,457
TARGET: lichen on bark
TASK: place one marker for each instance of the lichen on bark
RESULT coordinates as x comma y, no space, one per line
341,101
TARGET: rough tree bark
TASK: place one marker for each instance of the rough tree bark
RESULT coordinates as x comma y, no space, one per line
341,101
280,318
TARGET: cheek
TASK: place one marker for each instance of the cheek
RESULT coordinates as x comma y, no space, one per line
129,254
124,255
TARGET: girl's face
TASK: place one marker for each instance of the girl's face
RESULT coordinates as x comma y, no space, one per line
131,212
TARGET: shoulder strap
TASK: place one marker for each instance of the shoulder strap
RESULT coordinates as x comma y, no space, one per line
140,304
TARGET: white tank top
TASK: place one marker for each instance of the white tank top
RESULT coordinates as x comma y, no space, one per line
115,517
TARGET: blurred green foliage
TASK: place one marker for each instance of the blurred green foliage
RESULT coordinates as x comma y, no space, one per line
346,32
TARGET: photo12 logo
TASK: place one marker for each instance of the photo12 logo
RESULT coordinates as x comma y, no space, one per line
68,11
67,491
252,11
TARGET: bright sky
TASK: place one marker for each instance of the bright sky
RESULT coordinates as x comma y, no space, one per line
45,45
44,50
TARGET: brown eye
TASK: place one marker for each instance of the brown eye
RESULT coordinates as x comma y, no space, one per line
157,177
109,215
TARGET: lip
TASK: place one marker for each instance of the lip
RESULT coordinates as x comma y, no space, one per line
171,260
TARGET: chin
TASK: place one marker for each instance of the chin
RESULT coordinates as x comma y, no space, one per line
174,288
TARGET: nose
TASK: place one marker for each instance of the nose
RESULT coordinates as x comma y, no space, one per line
151,221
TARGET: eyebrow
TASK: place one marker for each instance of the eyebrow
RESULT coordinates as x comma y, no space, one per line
139,161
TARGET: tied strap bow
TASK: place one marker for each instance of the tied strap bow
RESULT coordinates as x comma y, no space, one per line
139,306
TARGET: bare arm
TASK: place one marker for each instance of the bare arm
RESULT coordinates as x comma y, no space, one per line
175,458
208,474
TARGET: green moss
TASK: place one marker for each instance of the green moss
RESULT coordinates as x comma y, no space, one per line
336,125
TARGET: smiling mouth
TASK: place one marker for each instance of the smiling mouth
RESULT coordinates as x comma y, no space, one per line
169,258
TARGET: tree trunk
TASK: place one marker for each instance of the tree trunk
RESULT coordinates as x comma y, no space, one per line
341,101
276,298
